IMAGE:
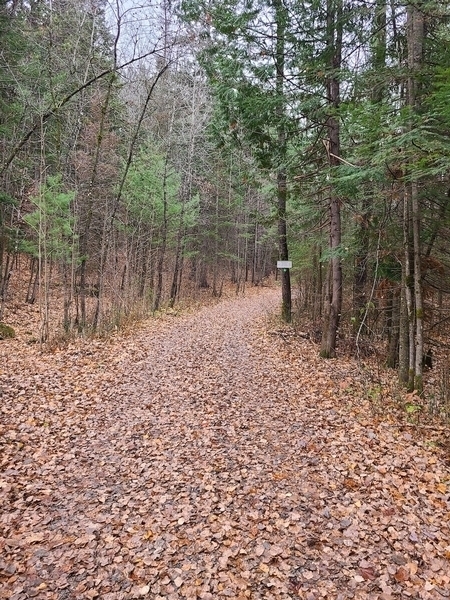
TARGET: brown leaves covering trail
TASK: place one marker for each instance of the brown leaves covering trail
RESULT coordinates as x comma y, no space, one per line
204,458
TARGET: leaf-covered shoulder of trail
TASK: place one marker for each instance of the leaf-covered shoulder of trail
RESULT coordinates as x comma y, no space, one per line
334,495
387,462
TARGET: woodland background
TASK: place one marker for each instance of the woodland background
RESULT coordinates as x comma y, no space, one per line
151,150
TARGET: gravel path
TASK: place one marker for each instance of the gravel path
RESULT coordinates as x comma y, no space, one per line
204,458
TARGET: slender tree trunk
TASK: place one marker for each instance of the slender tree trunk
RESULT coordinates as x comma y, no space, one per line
393,326
178,257
412,241
3,252
30,297
408,281
44,257
255,261
403,346
419,351
67,280
5,281
88,213
363,232
317,284
216,245
415,50
163,244
180,275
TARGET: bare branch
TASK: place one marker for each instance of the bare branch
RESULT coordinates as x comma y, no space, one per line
53,110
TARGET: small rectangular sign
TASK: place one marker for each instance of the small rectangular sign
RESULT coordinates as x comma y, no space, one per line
284,264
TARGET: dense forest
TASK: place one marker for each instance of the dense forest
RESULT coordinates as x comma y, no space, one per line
148,150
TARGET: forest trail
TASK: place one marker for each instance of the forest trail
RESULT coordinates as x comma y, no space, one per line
207,457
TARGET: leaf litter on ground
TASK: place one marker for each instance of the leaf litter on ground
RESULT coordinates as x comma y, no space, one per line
203,457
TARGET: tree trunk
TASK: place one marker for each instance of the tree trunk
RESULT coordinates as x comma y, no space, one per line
178,259
418,375
363,231
286,294
393,327
68,287
332,311
412,218
403,345
408,281
163,243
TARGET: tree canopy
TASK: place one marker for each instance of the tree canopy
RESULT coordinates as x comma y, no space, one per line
245,132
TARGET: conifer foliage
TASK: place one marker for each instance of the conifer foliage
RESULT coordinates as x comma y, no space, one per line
149,152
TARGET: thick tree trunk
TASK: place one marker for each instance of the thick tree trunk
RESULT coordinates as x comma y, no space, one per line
286,294
333,299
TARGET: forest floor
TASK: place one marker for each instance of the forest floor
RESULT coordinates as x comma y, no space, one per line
213,455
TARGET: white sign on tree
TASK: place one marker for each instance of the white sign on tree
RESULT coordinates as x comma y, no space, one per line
284,264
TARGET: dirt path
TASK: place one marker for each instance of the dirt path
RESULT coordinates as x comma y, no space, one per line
204,458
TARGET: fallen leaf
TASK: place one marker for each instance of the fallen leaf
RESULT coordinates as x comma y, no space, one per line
368,573
144,590
401,574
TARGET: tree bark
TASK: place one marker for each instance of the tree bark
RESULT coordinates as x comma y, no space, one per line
413,289
286,294
408,282
333,299
163,243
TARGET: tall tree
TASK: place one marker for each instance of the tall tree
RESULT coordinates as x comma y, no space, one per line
415,41
281,16
245,56
333,295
